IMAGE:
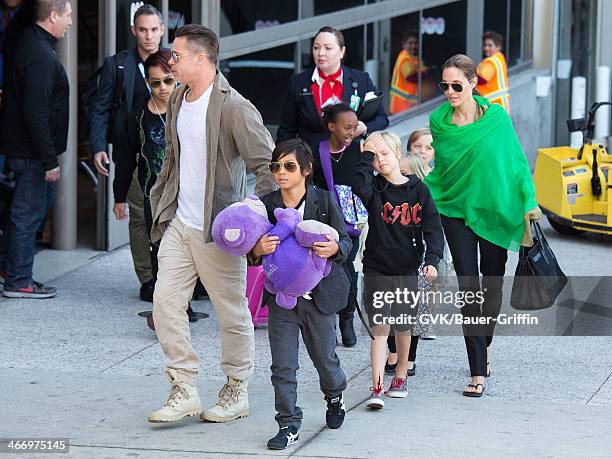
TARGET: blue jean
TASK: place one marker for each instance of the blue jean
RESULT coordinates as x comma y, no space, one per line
31,200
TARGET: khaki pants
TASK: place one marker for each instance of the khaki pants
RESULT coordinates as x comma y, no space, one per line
183,256
139,237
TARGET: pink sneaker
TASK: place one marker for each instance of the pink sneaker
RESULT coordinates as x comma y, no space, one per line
398,388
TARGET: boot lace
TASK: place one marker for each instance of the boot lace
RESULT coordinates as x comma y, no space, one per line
177,393
228,394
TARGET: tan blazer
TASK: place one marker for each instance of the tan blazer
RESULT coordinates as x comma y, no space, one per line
235,139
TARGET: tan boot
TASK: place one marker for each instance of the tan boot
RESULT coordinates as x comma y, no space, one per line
233,402
183,401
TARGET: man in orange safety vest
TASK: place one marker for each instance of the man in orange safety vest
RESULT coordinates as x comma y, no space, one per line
493,71
404,90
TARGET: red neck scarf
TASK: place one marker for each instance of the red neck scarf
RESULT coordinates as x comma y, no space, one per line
327,90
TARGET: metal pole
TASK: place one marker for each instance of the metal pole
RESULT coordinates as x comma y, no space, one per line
165,17
65,209
109,19
210,12
474,27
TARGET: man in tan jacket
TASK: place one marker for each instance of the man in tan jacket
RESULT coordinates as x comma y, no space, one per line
212,135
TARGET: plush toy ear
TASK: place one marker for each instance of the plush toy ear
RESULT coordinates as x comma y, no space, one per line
308,232
285,301
234,236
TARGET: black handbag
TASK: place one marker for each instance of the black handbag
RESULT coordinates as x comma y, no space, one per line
538,279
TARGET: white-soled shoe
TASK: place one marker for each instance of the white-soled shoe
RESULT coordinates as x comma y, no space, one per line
183,401
233,402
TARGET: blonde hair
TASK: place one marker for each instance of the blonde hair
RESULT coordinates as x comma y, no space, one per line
415,165
416,135
392,141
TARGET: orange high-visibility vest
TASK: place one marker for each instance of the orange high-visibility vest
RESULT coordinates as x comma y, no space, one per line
404,94
494,70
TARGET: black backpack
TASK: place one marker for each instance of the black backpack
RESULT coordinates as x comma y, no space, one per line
90,93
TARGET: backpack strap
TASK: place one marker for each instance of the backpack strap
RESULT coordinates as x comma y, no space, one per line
322,199
326,165
119,79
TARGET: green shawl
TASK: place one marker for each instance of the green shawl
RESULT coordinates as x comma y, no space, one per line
481,174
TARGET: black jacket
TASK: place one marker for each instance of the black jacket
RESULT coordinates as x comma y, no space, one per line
35,105
300,117
399,218
104,126
137,149
331,295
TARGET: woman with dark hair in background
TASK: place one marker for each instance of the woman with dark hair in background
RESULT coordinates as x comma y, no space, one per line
330,83
483,189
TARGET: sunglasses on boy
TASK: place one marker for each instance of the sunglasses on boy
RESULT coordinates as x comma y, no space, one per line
289,166
157,83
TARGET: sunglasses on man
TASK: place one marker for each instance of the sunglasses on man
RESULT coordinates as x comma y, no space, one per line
289,166
157,83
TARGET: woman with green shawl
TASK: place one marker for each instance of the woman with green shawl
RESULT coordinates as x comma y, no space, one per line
483,189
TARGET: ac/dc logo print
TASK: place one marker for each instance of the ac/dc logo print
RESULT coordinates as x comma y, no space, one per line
406,213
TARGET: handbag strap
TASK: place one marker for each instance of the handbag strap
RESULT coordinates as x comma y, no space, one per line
537,229
326,165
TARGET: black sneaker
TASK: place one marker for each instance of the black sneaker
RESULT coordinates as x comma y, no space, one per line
285,437
35,290
334,416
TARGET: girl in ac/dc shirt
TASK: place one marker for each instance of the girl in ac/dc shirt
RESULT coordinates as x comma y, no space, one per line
401,213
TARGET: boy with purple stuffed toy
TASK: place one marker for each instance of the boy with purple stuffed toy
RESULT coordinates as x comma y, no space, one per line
315,312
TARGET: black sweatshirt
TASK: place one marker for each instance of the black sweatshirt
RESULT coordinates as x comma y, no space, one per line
35,101
399,217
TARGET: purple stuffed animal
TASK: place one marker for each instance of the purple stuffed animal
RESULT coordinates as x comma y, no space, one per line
238,227
294,269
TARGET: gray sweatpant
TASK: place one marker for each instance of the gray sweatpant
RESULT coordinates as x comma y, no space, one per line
319,335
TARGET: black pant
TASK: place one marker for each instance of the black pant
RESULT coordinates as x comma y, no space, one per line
319,335
465,245
32,198
414,342
154,246
349,269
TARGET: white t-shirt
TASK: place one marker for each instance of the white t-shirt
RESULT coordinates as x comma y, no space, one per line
191,130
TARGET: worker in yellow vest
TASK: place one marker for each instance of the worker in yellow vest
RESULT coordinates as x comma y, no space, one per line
493,71
404,90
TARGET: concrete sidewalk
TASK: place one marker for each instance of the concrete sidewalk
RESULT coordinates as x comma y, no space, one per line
84,366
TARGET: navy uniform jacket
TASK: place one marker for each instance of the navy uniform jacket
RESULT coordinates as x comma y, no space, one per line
300,117
104,126
331,295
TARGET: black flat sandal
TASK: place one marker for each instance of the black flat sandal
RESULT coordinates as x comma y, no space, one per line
474,394
390,368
